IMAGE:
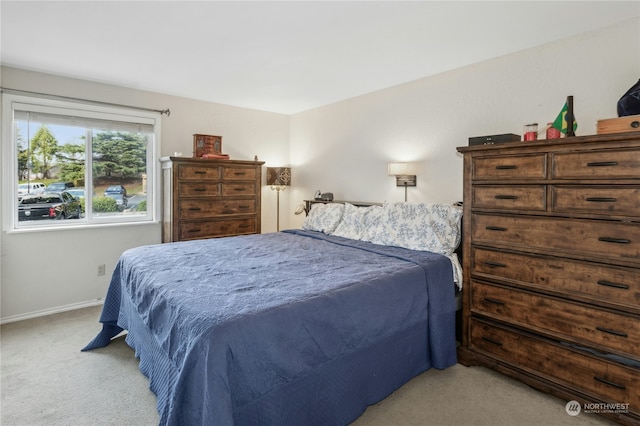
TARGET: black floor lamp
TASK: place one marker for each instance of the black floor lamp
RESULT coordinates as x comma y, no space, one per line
279,178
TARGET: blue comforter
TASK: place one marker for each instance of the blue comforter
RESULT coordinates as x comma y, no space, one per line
225,327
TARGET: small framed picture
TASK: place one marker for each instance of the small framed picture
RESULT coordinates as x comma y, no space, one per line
204,145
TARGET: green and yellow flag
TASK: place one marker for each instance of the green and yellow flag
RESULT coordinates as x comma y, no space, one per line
561,120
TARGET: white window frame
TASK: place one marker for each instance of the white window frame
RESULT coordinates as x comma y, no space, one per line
9,159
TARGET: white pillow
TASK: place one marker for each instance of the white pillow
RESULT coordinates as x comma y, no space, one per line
356,221
323,217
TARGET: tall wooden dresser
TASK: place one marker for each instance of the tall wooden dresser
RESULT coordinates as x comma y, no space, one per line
205,198
551,291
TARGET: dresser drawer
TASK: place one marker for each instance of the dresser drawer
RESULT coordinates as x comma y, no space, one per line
605,239
609,164
193,172
198,189
217,228
238,189
510,167
615,332
597,199
599,282
198,209
239,173
612,382
510,197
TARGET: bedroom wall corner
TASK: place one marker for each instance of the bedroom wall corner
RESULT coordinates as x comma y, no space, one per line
344,147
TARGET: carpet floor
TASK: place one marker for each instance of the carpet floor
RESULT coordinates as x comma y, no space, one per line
46,380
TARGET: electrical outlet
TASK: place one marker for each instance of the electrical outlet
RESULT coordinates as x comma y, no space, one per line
101,270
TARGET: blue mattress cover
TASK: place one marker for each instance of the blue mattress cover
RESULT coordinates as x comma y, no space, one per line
218,324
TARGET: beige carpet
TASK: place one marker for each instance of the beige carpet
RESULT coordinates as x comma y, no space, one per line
46,380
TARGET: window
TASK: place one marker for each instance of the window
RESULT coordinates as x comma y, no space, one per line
102,161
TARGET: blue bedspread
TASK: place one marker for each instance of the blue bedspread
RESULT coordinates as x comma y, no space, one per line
226,328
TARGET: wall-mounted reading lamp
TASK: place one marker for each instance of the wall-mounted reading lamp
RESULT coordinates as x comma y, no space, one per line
404,173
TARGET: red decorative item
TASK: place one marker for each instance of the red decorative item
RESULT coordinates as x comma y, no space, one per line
552,132
206,144
531,132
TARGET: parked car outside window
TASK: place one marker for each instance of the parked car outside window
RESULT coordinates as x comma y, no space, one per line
115,189
59,186
76,192
118,193
49,205
30,188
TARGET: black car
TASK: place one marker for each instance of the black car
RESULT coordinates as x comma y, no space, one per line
118,193
115,189
59,186
49,205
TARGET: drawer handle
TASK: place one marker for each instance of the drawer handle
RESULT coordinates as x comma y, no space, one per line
614,240
194,230
506,197
602,199
493,342
494,301
495,228
614,332
240,173
244,207
506,167
608,382
240,189
612,284
602,164
200,172
200,189
495,264
194,209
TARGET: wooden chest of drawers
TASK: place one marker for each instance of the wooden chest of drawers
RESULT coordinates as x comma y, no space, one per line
210,198
552,266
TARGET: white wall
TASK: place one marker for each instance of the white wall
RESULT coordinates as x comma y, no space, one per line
344,148
42,272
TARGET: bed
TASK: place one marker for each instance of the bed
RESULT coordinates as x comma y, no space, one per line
305,326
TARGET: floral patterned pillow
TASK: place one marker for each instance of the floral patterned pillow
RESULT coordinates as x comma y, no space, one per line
323,217
419,226
356,221
372,219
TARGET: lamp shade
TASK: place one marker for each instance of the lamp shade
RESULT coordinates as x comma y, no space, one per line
279,176
395,169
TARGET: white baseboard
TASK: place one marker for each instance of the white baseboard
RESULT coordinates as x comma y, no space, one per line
51,311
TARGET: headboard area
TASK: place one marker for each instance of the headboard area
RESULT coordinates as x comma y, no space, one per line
380,225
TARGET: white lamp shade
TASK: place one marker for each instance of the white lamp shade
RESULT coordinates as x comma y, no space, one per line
395,169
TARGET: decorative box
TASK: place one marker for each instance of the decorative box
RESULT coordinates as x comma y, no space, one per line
629,123
205,145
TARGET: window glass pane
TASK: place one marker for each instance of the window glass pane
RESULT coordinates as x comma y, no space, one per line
101,164
51,158
119,173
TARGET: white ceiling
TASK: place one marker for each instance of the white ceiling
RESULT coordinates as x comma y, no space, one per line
283,57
